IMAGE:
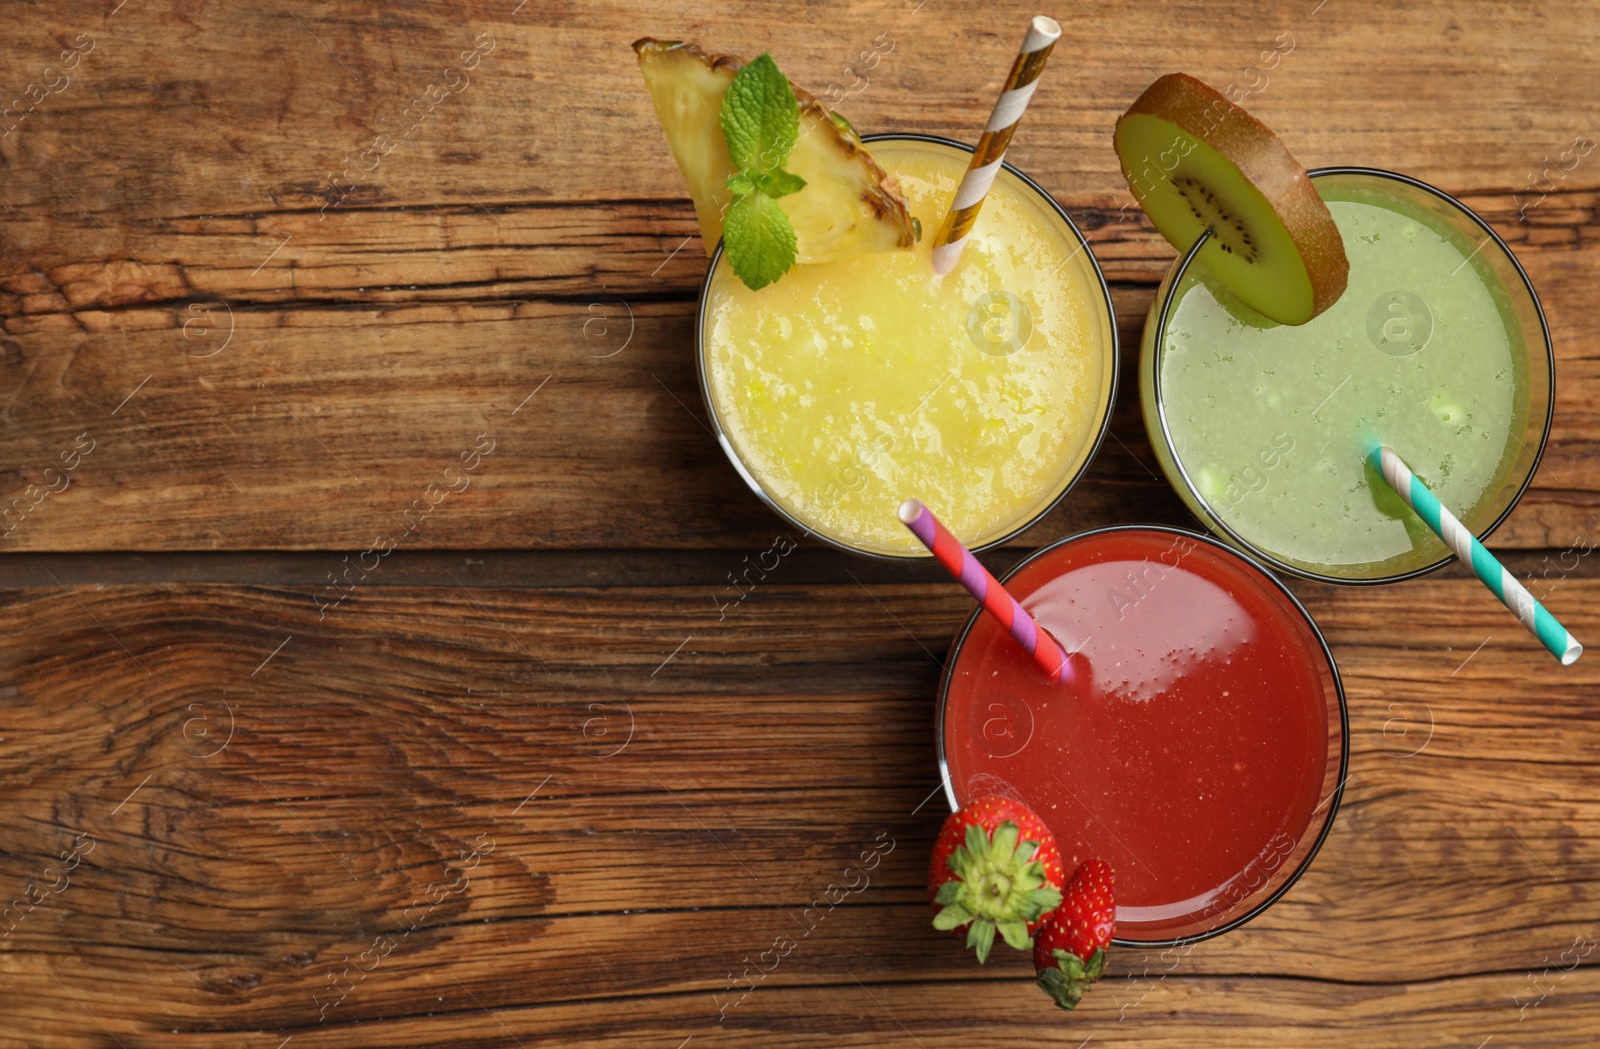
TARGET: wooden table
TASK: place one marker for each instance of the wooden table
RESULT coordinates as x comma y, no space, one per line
527,776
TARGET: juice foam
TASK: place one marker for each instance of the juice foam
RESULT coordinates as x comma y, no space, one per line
1196,750
849,386
1421,352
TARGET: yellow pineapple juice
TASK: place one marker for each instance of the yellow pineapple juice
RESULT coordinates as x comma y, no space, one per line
849,386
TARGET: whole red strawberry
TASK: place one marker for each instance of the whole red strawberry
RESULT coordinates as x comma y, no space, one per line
996,868
1070,953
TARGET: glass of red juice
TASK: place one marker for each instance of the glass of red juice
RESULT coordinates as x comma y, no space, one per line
1201,747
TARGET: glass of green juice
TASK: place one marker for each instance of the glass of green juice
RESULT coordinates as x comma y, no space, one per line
846,387
1438,347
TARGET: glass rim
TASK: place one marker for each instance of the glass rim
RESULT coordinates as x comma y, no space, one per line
1175,277
921,555
1332,801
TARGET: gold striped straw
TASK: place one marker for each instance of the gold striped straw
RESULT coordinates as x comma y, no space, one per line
986,159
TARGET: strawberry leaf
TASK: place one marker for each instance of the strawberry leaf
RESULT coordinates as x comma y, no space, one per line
1071,976
1005,840
1016,934
1032,876
1046,900
980,937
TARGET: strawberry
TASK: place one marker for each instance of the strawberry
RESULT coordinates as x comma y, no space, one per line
995,867
1070,952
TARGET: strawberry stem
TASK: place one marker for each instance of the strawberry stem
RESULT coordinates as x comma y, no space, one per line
1071,977
999,886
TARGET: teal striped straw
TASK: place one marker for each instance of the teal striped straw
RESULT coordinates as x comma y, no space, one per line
1456,536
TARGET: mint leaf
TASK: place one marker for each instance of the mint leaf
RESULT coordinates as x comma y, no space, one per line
775,184
759,240
760,121
760,117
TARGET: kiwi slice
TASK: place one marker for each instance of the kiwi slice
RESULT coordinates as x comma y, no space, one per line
1195,160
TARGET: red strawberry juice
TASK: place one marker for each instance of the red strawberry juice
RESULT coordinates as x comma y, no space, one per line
1200,747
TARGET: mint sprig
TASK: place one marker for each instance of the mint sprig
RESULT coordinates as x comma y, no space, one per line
760,121
758,238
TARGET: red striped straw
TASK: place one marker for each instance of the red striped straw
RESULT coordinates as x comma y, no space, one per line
959,562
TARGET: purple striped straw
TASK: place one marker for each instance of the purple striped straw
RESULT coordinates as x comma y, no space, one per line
994,598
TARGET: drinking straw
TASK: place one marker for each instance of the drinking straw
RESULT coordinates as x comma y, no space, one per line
991,151
1511,593
959,562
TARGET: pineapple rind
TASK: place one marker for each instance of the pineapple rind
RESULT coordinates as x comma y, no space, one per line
850,205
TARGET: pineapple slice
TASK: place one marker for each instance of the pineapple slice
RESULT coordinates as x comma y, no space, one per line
849,206
687,86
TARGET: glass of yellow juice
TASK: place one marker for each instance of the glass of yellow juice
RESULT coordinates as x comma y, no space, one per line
847,387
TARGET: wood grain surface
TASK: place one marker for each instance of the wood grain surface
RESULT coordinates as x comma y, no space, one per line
309,349
261,793
532,783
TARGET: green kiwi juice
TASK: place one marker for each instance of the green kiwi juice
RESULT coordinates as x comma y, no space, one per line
1423,351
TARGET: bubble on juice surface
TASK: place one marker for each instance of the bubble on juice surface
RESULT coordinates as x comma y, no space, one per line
1156,649
987,784
869,329
778,326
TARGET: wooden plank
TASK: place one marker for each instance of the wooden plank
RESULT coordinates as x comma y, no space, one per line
1544,570
286,439
1257,1012
260,780
258,789
290,365
1470,98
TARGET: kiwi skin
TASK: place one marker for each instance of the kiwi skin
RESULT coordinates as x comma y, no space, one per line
1263,159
